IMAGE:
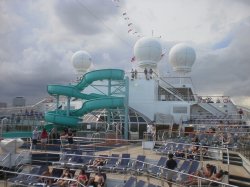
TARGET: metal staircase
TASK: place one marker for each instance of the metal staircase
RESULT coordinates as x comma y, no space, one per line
172,90
212,109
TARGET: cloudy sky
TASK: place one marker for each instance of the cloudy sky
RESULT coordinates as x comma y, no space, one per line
38,38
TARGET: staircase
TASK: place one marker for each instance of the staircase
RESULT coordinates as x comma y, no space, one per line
212,109
172,90
239,181
234,159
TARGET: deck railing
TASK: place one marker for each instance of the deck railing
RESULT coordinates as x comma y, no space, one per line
110,146
6,183
158,178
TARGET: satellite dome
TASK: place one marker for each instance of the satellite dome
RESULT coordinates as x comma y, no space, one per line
147,52
81,61
182,57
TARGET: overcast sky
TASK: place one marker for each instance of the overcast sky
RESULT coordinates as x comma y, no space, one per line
38,38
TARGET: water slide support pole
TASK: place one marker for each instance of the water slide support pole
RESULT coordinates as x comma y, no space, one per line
126,108
109,93
57,103
68,105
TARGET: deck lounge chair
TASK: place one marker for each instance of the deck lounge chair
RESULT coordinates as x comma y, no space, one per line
34,179
155,170
98,165
24,176
79,160
140,183
178,147
152,185
64,157
183,169
139,165
57,172
111,162
193,168
76,160
87,159
130,182
166,149
123,164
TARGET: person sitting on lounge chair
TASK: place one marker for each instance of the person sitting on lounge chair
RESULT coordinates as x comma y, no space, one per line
66,175
97,180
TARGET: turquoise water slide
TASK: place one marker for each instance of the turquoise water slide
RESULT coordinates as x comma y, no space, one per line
94,101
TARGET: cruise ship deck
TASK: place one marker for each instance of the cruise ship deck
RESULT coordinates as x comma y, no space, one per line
84,151
133,121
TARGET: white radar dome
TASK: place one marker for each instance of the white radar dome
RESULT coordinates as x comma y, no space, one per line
81,61
147,52
182,57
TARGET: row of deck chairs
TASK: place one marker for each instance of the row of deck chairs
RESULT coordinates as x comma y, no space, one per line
74,158
132,182
172,148
113,163
116,164
34,180
181,150
187,167
25,178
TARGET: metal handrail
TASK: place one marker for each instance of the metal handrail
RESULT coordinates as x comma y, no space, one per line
6,160
5,157
19,158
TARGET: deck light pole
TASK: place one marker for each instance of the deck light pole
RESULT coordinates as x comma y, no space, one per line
2,121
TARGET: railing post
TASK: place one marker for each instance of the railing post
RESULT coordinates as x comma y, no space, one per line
162,181
126,100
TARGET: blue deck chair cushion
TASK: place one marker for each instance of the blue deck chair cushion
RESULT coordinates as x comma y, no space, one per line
140,183
130,182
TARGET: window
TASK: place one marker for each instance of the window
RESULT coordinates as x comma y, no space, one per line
180,109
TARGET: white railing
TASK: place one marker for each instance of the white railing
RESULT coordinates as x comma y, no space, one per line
19,159
6,160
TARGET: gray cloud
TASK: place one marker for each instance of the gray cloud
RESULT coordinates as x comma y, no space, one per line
38,38
85,17
35,49
226,70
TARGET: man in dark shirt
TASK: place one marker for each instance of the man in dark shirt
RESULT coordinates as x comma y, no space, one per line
171,164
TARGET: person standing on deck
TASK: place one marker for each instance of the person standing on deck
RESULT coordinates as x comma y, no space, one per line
170,164
149,132
135,74
146,73
53,136
150,73
153,131
70,138
132,74
44,139
35,136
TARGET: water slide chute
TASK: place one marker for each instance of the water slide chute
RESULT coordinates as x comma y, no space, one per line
93,101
